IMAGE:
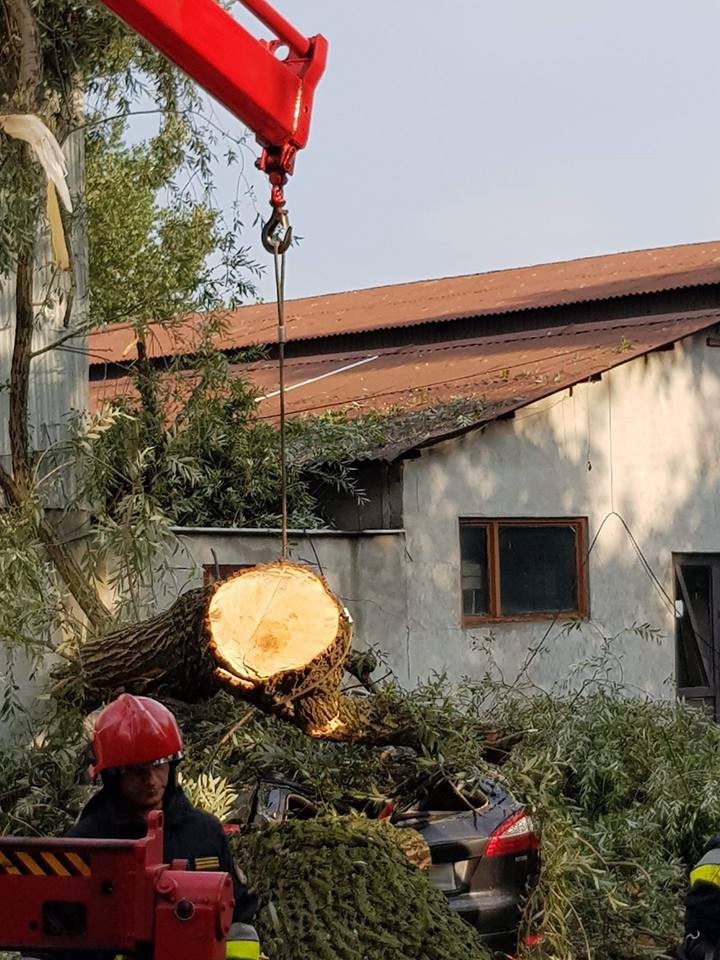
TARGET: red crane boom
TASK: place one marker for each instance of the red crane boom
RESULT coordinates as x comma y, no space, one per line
272,96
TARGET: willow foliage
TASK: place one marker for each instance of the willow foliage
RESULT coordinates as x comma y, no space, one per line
625,793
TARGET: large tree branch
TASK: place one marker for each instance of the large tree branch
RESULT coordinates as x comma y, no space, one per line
82,331
273,636
16,486
74,577
86,328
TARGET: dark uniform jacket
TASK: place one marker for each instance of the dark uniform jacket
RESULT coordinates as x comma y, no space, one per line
189,834
702,908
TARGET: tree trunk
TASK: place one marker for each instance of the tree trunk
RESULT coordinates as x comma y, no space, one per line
29,75
280,639
16,486
20,368
272,635
164,656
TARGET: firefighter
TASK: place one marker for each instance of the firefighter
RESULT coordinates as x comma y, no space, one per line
137,746
702,908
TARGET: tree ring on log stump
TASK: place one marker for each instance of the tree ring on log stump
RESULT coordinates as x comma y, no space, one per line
271,620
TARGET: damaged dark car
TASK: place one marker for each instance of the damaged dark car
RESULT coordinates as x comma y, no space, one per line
483,844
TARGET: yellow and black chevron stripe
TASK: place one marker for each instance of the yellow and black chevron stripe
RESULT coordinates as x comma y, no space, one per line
44,863
207,863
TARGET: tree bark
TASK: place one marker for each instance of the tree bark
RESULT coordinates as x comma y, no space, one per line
20,370
163,656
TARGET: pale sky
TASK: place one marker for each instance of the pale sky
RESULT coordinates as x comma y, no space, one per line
464,136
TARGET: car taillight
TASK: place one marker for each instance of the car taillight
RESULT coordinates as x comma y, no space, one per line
514,835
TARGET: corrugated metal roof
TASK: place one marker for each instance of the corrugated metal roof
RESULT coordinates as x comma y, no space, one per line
408,304
502,373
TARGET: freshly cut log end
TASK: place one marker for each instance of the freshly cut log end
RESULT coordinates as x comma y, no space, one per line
271,619
280,639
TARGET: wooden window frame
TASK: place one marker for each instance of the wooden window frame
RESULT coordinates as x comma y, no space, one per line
492,526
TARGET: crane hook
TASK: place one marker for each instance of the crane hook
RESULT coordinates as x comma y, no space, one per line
277,232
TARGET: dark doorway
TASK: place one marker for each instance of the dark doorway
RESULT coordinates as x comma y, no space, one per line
697,629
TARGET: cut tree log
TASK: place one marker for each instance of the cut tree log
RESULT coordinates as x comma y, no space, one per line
280,637
273,635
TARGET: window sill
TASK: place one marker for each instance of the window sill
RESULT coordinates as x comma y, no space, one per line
525,618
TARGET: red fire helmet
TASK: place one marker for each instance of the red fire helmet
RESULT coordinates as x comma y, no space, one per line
132,731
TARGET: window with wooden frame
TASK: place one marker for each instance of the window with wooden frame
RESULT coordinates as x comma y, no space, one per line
523,569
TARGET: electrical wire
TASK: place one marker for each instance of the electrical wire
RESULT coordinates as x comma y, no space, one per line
644,562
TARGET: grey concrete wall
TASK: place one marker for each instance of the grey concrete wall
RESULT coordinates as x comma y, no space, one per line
366,570
640,446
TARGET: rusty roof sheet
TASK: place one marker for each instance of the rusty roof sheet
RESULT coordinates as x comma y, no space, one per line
408,304
499,373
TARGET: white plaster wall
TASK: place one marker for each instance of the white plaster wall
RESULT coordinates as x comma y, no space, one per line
643,443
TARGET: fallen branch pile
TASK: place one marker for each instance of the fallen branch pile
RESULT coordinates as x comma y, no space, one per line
343,889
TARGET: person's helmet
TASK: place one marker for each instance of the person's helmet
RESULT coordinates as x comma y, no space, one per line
132,731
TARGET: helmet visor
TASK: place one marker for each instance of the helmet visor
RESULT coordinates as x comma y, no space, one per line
140,767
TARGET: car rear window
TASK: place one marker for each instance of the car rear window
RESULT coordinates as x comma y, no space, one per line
447,796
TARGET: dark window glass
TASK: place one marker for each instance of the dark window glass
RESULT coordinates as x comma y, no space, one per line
474,570
694,645
538,569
